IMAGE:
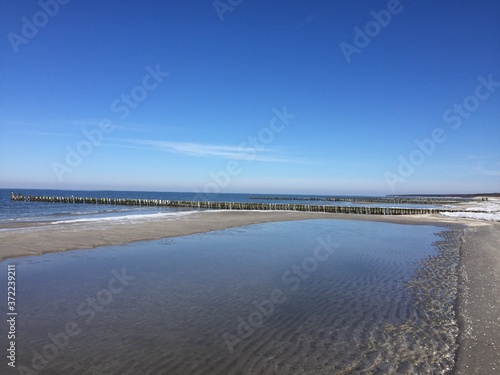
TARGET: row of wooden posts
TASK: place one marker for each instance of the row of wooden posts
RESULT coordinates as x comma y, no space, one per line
230,205
399,200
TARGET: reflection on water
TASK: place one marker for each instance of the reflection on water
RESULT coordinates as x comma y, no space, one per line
317,296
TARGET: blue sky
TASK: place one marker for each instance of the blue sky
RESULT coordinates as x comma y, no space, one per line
323,97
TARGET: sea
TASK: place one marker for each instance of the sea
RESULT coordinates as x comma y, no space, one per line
11,212
304,297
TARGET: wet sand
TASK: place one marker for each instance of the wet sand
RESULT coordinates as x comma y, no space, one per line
35,238
479,293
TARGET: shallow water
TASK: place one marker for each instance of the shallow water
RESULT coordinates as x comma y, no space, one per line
316,296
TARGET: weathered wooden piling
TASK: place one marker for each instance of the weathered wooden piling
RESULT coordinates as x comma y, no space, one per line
231,205
391,200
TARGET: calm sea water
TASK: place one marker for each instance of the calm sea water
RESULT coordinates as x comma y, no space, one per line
307,297
36,211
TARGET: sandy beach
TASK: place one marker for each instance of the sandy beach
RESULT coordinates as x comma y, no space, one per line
479,295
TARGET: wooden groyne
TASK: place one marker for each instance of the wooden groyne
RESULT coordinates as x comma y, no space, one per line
390,200
229,205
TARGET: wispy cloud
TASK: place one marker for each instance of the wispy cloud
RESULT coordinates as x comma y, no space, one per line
307,20
84,123
487,172
128,126
487,157
53,134
45,133
484,164
214,150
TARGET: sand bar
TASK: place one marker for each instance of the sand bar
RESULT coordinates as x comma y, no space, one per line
35,238
479,296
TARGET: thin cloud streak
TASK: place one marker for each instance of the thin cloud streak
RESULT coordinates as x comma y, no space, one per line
487,172
215,151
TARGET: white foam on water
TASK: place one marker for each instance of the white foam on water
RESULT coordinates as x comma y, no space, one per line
481,210
128,218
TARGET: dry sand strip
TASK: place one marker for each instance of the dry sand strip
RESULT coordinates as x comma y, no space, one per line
479,301
479,296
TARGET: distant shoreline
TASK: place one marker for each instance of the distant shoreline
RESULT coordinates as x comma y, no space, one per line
471,196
